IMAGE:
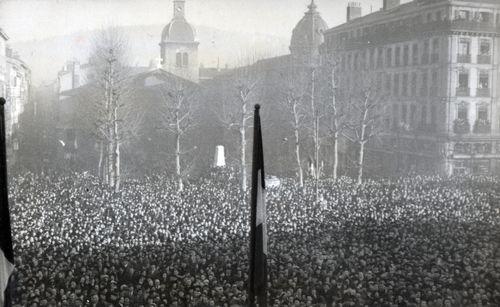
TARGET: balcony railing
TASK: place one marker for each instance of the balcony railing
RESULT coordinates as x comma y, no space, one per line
463,58
482,126
463,91
484,59
461,126
483,92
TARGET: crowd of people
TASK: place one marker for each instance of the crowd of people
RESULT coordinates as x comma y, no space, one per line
420,241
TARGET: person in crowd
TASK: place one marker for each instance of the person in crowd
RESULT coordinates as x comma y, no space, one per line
420,241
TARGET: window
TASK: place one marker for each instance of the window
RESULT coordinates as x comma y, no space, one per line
484,80
388,80
485,47
404,113
395,115
413,114
482,112
423,88
185,59
415,54
463,111
405,85
423,118
380,58
464,46
388,57
425,52
462,14
396,84
372,58
397,56
433,117
435,50
414,84
406,55
463,79
484,17
429,17
349,61
356,61
438,15
178,59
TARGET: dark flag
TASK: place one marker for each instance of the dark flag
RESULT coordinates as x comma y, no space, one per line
258,229
6,253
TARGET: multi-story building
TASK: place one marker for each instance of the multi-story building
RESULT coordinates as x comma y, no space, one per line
437,65
17,92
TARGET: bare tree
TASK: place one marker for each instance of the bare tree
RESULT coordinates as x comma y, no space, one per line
293,100
336,115
109,97
237,113
316,116
365,122
178,118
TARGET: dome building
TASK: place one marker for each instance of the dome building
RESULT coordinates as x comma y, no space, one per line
178,46
307,36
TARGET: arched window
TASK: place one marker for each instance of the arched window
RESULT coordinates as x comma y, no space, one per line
185,59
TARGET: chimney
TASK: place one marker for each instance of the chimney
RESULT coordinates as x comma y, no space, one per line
353,10
390,4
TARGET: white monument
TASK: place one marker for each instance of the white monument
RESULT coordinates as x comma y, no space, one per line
220,159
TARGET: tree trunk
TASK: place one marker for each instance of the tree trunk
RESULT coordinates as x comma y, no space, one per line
243,169
180,185
297,146
101,160
360,161
116,149
335,155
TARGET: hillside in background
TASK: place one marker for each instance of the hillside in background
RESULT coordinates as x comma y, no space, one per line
46,57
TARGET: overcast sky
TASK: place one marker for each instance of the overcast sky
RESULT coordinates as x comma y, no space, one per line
37,19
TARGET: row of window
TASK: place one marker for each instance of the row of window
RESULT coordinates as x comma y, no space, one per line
424,53
406,117
415,54
429,17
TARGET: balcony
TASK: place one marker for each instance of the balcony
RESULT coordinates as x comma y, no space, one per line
482,126
463,58
463,91
484,59
483,92
461,126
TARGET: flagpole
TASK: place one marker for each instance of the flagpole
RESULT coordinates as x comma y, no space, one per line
5,233
253,210
257,278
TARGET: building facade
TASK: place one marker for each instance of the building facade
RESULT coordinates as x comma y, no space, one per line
178,45
437,65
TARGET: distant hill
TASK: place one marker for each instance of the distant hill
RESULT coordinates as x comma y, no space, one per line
46,57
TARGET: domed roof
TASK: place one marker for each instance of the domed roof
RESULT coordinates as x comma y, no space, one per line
178,30
308,33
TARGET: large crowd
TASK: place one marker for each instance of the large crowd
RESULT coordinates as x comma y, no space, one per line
420,241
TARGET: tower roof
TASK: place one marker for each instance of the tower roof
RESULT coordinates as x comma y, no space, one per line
178,30
308,33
